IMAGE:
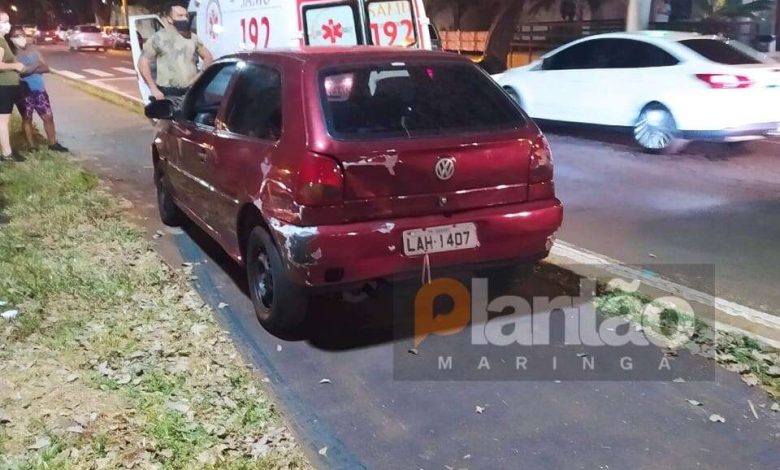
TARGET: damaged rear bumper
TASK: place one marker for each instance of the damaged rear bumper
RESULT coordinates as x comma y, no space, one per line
333,255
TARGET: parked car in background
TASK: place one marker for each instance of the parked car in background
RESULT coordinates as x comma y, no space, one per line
668,87
118,38
329,167
86,37
46,36
63,31
29,30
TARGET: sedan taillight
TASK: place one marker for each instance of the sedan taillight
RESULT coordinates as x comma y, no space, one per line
541,166
320,181
722,81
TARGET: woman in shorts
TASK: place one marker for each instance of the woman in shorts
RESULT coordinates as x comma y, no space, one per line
9,87
32,97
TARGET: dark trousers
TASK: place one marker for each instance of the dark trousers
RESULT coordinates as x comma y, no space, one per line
172,91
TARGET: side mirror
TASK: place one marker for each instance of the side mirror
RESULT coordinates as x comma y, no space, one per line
160,109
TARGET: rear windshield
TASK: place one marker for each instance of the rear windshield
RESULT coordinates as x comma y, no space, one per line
398,99
723,52
123,31
89,29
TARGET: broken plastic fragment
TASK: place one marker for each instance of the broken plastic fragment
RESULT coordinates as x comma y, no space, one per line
10,314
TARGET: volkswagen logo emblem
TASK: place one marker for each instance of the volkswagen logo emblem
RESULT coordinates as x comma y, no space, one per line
445,168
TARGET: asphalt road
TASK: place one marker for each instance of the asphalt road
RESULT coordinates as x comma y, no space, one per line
111,69
367,417
714,205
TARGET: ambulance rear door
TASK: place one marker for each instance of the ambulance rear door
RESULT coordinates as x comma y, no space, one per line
142,27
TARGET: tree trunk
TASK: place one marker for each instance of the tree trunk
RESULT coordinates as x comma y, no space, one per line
500,36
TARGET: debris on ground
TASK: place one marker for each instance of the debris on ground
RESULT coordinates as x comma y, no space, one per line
695,403
716,418
10,314
757,364
752,409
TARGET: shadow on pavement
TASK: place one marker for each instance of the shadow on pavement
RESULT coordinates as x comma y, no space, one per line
344,321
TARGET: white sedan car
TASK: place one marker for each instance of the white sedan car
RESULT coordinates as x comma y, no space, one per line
668,87
86,37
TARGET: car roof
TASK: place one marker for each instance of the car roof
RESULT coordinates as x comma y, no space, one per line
675,36
337,54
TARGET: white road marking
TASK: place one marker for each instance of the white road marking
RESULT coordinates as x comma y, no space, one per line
69,74
98,73
765,320
124,70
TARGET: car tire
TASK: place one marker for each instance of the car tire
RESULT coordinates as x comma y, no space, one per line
170,214
656,131
502,278
280,305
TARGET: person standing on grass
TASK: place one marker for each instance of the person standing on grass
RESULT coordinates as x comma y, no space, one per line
32,96
175,51
9,86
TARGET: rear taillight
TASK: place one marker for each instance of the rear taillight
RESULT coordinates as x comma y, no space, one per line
320,181
722,81
541,168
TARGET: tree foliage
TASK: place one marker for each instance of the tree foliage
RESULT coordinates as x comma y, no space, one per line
715,9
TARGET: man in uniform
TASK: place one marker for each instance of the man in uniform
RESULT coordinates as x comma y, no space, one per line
175,51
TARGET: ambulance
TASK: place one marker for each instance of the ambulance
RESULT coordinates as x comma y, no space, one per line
230,26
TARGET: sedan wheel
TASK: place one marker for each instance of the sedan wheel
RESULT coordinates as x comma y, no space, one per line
656,130
170,214
280,305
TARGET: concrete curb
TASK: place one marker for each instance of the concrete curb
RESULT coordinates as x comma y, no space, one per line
721,314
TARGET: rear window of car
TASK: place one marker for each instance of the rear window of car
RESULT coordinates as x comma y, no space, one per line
89,29
722,52
123,31
413,99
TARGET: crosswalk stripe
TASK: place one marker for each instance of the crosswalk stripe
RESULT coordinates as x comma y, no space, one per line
69,74
99,73
124,70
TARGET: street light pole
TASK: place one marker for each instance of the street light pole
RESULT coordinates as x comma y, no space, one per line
126,13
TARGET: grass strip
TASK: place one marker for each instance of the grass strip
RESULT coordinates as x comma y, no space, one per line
113,360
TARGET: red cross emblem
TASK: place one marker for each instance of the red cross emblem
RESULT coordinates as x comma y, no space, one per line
332,31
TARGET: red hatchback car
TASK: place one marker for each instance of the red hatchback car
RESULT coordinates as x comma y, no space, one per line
328,167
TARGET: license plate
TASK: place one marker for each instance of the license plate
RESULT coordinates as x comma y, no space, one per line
440,239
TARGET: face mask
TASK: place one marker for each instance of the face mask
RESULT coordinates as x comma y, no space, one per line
182,26
20,42
5,28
